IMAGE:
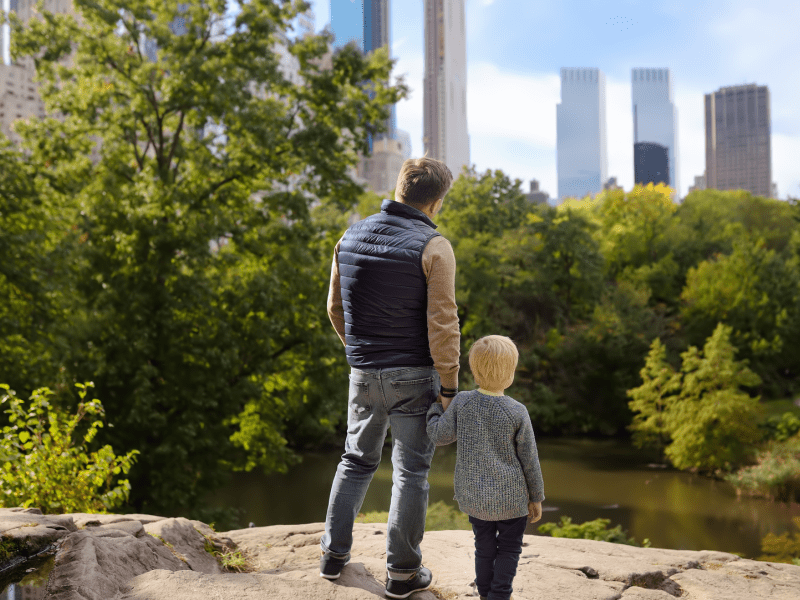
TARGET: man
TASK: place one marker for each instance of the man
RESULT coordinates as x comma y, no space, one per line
392,302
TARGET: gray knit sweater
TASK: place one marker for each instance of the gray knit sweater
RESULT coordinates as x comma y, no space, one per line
497,465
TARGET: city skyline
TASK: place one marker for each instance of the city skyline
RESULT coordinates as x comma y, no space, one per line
514,83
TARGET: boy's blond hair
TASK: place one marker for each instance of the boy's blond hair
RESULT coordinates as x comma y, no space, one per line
493,360
422,181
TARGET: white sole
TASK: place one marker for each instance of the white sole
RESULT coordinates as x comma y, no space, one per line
400,597
339,574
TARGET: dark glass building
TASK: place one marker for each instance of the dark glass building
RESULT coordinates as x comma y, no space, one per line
651,163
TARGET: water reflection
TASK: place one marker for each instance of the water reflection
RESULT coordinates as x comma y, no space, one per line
29,582
584,479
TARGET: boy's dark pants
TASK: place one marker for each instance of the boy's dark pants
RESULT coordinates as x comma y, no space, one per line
498,545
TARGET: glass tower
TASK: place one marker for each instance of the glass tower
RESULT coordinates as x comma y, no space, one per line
366,24
581,146
655,128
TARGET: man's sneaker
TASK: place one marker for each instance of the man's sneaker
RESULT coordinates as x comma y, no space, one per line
421,580
331,567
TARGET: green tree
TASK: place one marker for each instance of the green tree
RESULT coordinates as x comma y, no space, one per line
201,274
592,364
712,422
650,400
34,275
634,225
755,291
568,259
41,466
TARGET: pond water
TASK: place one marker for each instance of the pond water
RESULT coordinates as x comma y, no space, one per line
29,580
584,479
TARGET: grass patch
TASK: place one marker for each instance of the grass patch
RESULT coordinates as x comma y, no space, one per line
170,547
440,516
9,548
231,560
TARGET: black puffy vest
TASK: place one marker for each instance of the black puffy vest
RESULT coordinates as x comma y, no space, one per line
384,291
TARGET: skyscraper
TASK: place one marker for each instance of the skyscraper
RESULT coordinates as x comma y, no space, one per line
738,155
445,135
581,147
655,128
366,24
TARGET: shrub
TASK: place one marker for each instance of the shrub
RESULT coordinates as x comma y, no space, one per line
782,548
590,530
781,427
440,517
41,465
776,474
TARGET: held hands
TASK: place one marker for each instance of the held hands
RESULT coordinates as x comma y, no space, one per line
445,401
534,511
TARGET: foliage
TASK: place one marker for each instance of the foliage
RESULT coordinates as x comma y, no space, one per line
783,548
440,516
709,420
757,292
199,273
34,276
649,400
592,364
634,226
781,427
44,467
590,530
776,474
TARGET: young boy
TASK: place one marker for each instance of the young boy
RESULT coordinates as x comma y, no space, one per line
498,480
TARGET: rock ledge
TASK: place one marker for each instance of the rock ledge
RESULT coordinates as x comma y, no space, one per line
145,557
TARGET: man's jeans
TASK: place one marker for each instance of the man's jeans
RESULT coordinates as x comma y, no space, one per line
380,398
498,545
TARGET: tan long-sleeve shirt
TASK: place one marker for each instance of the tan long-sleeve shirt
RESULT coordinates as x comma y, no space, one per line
444,336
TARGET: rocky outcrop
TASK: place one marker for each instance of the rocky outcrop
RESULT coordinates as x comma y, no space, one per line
144,557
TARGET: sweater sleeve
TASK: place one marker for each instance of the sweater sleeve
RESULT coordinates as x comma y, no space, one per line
442,423
335,308
444,335
529,458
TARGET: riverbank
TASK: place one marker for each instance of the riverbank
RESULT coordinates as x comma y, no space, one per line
146,557
585,479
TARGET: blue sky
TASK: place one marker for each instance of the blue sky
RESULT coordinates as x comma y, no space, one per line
515,49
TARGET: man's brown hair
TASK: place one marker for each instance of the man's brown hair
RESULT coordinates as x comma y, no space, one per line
422,181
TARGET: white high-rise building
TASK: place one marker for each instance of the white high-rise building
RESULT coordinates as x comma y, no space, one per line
655,128
581,147
445,136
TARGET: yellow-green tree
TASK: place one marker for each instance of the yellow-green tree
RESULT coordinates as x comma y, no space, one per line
649,401
710,420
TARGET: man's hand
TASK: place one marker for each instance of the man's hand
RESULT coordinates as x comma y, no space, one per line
534,511
445,401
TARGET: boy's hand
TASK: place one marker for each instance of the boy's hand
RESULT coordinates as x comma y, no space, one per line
534,511
445,401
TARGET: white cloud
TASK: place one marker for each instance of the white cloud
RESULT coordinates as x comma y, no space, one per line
512,105
619,128
785,166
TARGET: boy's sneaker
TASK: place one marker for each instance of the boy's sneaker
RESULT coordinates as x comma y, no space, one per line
331,567
421,580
